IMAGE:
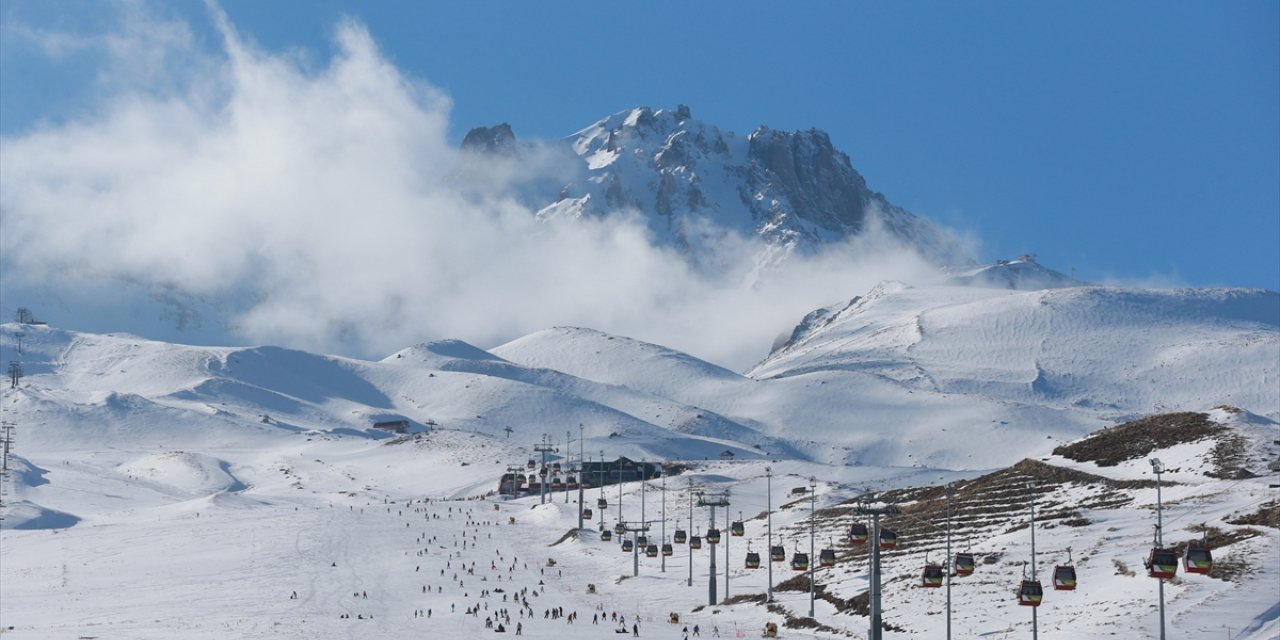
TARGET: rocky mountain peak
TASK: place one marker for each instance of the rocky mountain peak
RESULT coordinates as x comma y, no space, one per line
794,190
498,139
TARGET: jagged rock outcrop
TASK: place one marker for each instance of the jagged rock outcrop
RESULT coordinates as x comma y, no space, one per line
696,182
499,139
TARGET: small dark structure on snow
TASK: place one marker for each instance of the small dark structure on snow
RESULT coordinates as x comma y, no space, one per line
392,426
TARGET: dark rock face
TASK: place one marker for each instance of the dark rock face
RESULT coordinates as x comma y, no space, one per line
815,178
498,139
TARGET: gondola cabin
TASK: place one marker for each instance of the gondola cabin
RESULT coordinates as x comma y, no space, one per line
777,554
888,539
627,546
667,550
602,504
1197,558
827,558
619,528
1162,564
931,576
964,564
587,513
532,464
858,533
555,467
695,542
800,561
737,529
642,541
1030,593
1064,578
753,560
606,535
557,484
510,484
713,536
651,551
681,536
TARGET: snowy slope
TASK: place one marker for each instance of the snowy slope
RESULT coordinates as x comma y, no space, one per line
95,390
1110,352
916,376
902,376
342,523
147,472
1022,273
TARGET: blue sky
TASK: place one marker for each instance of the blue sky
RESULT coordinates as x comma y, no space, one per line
267,172
1132,141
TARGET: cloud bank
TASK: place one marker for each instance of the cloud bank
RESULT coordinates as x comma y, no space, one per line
314,206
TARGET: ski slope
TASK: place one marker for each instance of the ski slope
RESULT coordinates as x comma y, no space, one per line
162,490
161,550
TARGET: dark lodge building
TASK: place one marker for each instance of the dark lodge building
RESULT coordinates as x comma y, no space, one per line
595,474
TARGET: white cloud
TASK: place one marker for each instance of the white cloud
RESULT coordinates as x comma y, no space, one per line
317,205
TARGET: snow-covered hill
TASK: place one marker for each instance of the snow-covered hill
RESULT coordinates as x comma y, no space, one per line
901,376
1110,352
323,536
232,466
1022,273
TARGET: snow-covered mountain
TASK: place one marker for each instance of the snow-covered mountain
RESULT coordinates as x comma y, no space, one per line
233,465
695,182
1106,351
1022,273
967,362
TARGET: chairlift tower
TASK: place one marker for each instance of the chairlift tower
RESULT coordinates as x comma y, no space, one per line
866,509
1035,628
726,536
582,481
813,559
1158,468
951,490
691,532
7,439
635,528
721,500
544,448
768,474
664,519
600,481
4,469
